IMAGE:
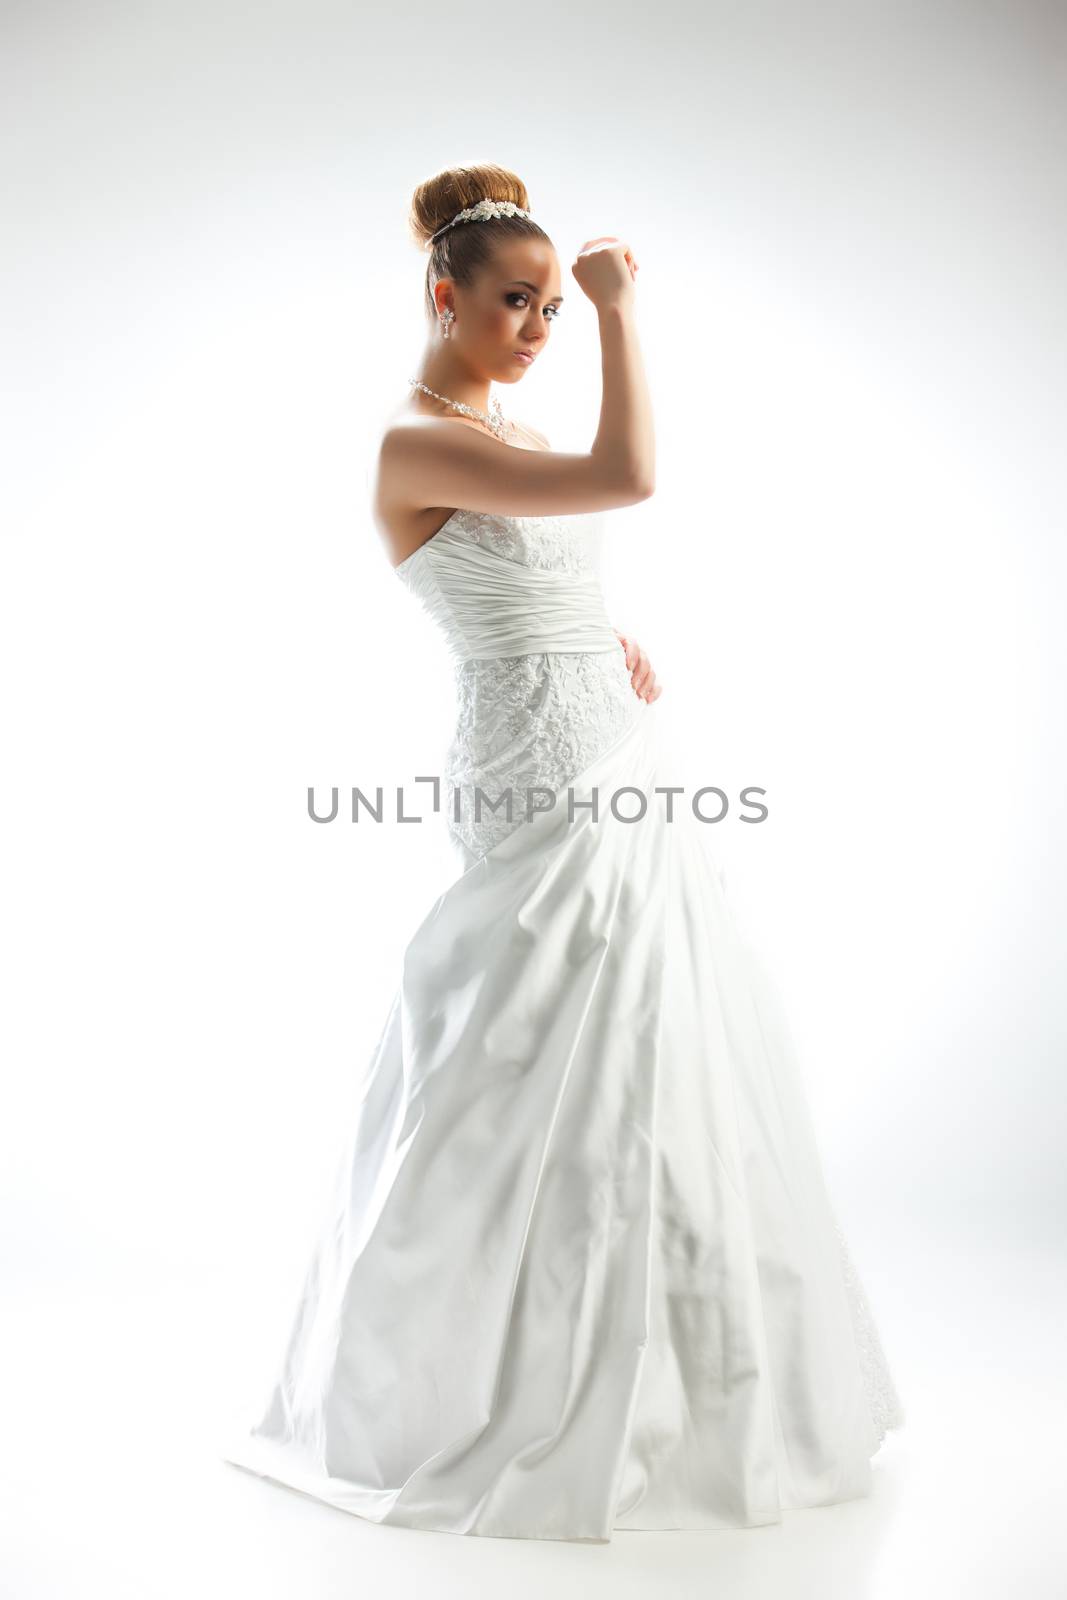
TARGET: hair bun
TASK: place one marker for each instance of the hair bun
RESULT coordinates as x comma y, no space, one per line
437,199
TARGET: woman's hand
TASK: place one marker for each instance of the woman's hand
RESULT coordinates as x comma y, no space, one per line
641,674
605,271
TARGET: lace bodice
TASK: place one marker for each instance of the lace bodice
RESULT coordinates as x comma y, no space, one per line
554,544
542,685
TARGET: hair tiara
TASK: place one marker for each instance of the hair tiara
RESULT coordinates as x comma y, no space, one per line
483,211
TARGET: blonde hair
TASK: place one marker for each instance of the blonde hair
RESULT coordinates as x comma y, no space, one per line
464,251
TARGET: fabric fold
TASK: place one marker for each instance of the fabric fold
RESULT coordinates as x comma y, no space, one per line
580,1272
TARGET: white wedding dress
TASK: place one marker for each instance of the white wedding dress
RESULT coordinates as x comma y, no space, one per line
581,1271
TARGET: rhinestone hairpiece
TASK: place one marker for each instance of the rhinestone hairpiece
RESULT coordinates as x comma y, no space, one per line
483,211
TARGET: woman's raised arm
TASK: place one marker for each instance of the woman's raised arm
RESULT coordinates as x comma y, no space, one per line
448,463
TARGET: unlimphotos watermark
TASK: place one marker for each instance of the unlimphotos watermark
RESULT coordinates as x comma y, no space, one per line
524,804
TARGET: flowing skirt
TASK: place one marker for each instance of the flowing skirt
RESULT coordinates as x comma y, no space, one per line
581,1271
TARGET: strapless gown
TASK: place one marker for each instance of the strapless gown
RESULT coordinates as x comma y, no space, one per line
581,1271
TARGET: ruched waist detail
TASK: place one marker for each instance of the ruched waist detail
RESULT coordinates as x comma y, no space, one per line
489,607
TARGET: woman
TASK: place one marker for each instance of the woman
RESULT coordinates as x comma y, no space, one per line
581,1271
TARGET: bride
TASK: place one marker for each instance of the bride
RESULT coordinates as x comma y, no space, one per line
580,1271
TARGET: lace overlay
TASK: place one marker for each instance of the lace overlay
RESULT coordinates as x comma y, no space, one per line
882,1397
524,722
529,722
554,544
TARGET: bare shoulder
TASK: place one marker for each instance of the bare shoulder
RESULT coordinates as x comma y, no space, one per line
408,439
403,506
535,434
405,429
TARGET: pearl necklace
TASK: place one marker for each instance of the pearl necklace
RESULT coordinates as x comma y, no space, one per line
496,422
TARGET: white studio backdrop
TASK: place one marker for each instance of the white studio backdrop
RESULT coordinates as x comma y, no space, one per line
850,578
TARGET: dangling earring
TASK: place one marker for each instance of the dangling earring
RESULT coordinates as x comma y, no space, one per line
448,317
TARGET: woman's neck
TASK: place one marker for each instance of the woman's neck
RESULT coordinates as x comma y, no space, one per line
439,370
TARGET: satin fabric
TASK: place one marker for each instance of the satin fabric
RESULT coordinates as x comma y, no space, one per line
489,607
580,1272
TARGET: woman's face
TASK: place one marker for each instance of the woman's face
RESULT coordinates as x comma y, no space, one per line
510,307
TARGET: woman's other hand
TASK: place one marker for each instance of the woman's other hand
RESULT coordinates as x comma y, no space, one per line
606,271
640,667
